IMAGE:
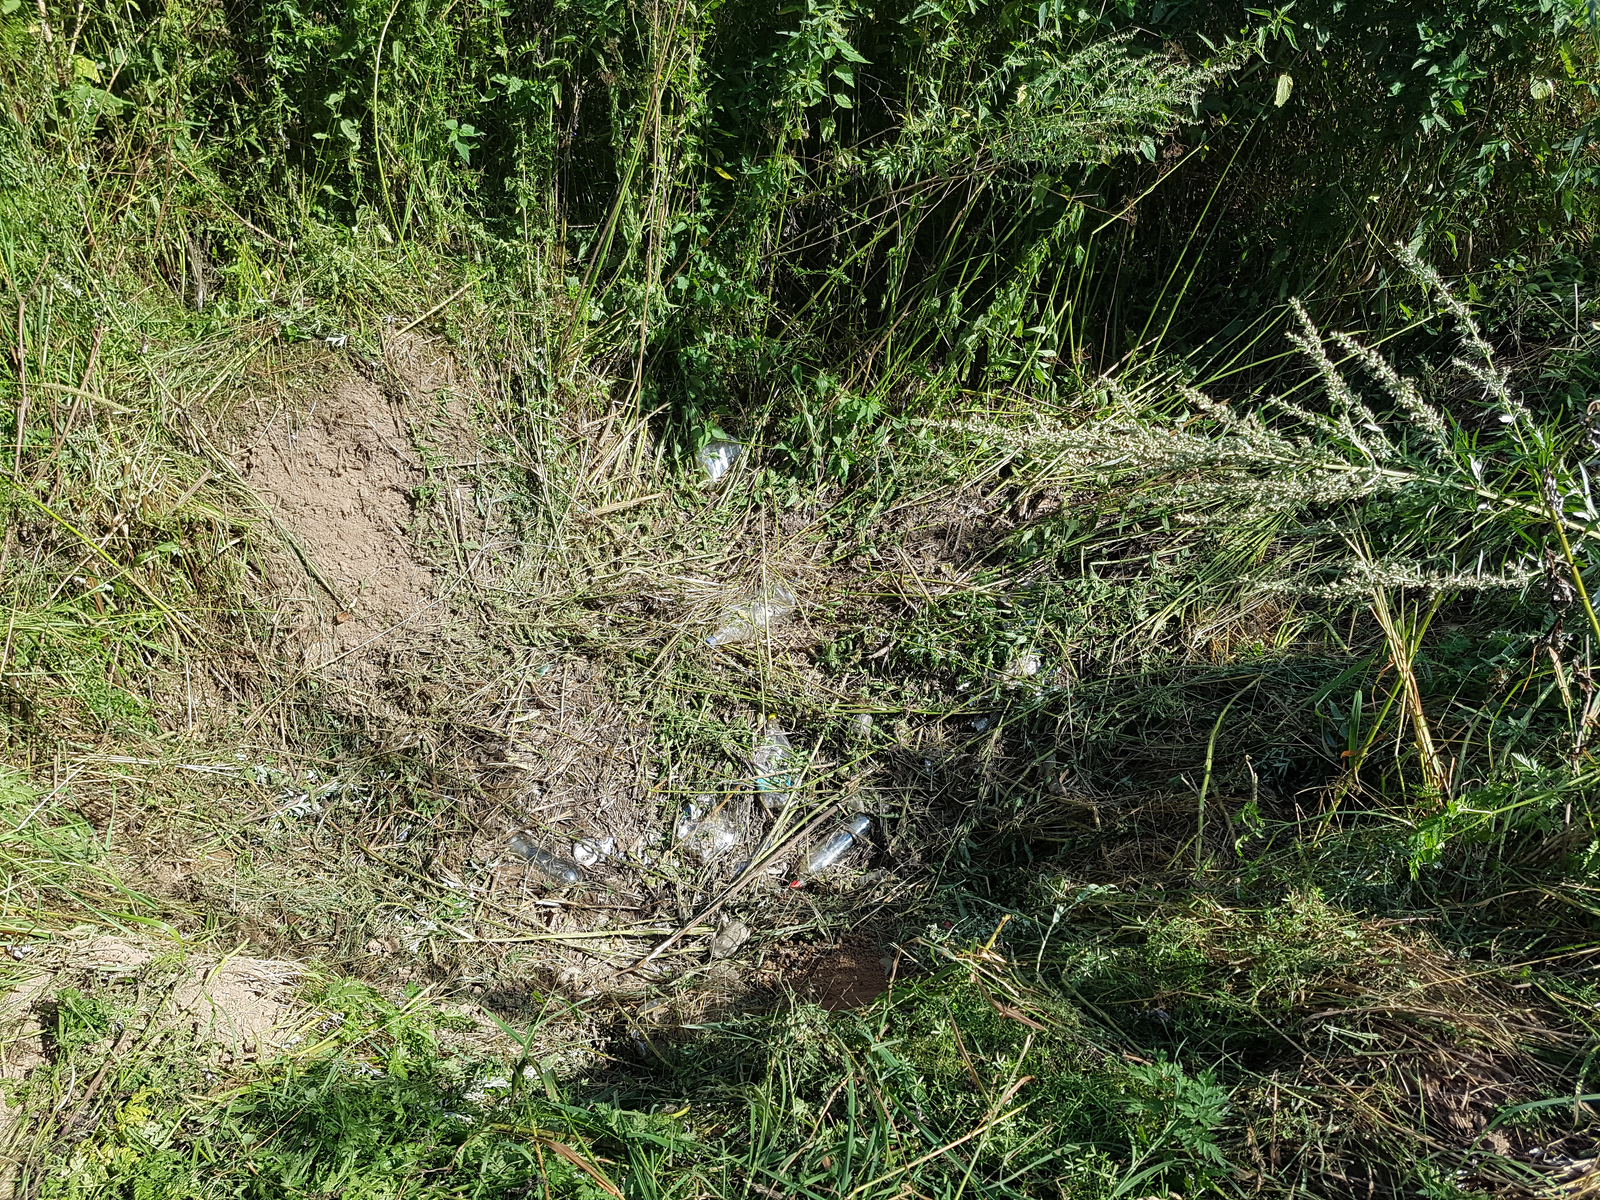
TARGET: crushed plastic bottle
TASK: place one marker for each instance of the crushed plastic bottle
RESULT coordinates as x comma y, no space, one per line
773,784
832,850
553,866
861,725
730,935
1020,670
706,828
717,458
747,621
588,851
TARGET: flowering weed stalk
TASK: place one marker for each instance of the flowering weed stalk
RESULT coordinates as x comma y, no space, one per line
1358,487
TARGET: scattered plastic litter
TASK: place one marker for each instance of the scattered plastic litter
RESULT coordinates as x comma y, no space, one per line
589,851
747,621
561,870
773,785
730,935
717,458
832,850
861,725
706,828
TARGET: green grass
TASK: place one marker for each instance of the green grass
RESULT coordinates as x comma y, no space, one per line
1061,1069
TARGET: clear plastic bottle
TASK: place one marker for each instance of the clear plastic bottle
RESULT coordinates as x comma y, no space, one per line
832,850
552,866
717,458
747,621
773,783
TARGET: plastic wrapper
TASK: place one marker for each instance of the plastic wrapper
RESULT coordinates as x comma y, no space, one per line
706,828
588,851
730,935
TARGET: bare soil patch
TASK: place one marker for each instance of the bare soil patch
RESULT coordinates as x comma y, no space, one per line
849,973
342,477
237,1003
233,1009
344,473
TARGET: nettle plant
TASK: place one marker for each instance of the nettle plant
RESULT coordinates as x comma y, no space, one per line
1360,488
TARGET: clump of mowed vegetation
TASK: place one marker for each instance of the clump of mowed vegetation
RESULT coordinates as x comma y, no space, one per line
727,600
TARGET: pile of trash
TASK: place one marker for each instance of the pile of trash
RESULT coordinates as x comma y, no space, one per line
709,828
746,829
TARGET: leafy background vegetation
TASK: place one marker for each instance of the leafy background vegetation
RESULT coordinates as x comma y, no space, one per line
1261,849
